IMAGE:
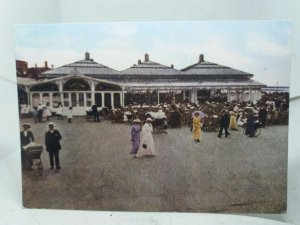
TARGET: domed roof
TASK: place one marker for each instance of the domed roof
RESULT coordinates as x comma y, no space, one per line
87,67
148,67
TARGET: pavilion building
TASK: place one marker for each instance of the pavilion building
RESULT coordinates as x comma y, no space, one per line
84,83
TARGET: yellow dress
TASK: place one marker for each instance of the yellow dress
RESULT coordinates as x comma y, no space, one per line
197,128
233,121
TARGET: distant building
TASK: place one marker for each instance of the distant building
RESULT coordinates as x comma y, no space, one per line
273,89
32,72
84,83
21,67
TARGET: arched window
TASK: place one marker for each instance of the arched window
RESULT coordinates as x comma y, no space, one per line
107,87
76,84
44,87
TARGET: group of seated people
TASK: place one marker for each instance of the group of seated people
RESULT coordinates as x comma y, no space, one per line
269,110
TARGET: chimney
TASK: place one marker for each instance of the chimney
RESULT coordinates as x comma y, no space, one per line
172,66
146,57
201,58
35,65
139,61
87,56
46,64
52,66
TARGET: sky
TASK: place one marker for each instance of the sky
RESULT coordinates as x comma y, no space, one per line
261,48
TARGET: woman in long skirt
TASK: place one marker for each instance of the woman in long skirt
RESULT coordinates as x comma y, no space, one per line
147,147
233,120
135,137
197,127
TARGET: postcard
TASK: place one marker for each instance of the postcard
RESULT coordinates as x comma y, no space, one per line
154,116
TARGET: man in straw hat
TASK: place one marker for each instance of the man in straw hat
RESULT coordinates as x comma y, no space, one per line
135,137
26,137
52,138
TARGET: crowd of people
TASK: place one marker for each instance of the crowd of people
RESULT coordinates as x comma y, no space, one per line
43,112
147,119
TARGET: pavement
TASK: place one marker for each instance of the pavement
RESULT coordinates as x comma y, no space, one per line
237,174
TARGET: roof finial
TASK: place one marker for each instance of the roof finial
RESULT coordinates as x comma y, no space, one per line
201,58
146,57
87,56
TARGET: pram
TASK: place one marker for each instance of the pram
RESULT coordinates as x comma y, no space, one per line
257,130
159,126
33,154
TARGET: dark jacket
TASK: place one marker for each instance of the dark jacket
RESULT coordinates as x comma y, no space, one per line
263,114
224,120
25,140
52,141
94,109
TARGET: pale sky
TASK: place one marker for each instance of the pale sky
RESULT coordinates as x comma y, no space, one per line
258,47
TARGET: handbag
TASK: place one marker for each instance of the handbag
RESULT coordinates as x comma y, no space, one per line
145,146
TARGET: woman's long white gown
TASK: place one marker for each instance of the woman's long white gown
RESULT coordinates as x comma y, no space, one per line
146,139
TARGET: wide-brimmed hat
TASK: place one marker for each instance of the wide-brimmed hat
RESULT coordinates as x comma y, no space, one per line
149,119
26,125
136,121
51,124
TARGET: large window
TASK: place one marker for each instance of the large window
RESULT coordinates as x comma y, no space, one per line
45,98
107,100
81,99
73,100
107,87
66,100
98,99
76,84
44,87
35,99
88,99
117,100
56,99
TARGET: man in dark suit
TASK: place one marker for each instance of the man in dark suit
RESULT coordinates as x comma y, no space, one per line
53,146
263,116
95,113
224,123
250,128
26,137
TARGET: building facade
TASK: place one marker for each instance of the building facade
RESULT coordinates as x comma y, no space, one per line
84,83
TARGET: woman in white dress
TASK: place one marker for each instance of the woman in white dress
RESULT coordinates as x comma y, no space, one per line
70,114
147,147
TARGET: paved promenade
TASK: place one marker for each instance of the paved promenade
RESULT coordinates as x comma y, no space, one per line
235,174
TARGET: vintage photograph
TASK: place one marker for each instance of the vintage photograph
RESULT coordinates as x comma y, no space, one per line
154,116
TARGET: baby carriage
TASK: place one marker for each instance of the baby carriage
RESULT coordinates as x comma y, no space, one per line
33,154
158,125
257,130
